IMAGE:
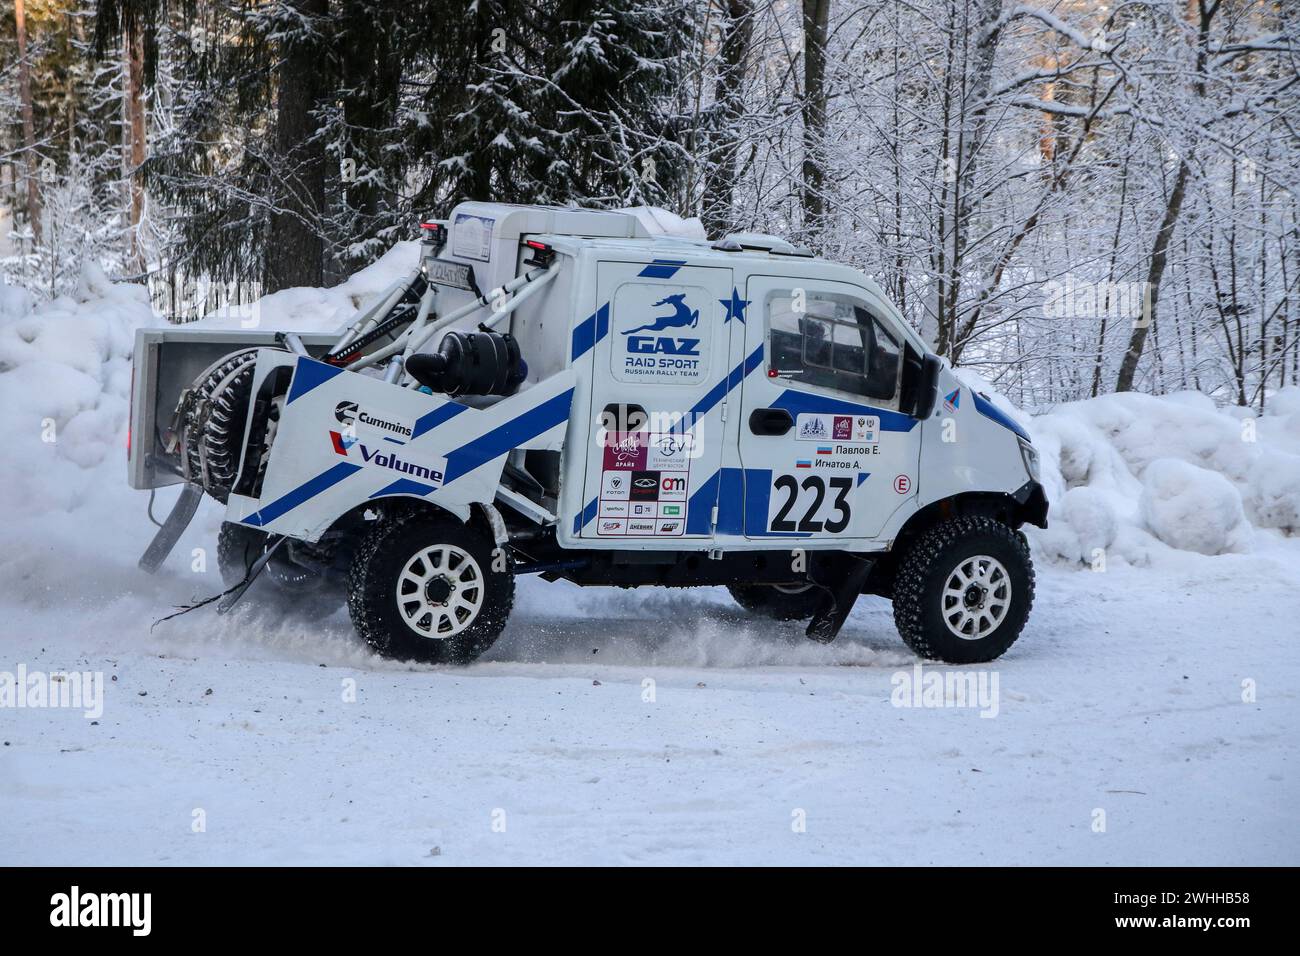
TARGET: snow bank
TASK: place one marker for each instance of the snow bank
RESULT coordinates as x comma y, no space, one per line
325,310
1141,476
1191,508
65,377
661,222
320,310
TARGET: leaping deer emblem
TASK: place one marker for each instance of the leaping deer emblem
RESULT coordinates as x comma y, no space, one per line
681,317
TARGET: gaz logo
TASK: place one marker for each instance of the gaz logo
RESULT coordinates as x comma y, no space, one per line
661,341
648,344
679,316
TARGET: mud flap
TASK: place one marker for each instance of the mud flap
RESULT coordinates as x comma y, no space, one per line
841,580
232,596
182,514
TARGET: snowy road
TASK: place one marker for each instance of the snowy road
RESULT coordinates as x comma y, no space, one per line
1124,695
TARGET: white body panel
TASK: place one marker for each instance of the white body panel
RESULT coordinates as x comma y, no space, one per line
345,439
674,326
847,465
971,445
666,347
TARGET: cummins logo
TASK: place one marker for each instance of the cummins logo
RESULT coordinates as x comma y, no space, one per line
346,413
350,413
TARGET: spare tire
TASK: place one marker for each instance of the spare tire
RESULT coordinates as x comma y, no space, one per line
212,423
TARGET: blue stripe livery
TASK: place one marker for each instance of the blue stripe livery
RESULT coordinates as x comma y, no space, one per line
719,391
510,435
797,403
991,411
580,520
307,375
661,269
742,496
431,420
304,492
590,331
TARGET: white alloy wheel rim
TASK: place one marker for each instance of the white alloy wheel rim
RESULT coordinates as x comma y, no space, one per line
440,591
976,598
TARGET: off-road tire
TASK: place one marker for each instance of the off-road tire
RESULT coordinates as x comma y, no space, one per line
213,425
385,552
769,601
925,570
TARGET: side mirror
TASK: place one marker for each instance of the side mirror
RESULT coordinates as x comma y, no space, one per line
920,383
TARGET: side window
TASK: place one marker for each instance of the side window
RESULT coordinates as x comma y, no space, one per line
834,341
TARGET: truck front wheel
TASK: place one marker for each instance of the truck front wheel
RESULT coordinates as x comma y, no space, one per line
964,590
780,602
427,588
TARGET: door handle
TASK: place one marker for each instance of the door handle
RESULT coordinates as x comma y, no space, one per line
619,417
770,421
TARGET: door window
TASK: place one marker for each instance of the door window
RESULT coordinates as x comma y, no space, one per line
832,341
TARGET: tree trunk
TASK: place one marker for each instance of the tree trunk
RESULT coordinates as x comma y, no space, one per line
1203,12
29,124
970,91
295,249
816,16
1159,257
135,117
719,190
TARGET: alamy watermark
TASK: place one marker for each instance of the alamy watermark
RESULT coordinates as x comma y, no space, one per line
71,690
133,911
1076,298
946,688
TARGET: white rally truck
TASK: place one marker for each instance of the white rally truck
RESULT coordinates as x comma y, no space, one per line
563,392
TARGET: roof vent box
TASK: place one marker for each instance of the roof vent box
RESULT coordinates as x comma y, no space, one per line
759,242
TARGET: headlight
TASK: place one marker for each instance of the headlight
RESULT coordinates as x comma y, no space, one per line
1029,455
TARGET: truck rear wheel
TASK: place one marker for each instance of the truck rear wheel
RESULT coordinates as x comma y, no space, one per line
964,590
780,602
426,588
239,546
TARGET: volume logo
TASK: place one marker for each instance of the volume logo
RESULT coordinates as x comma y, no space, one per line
342,442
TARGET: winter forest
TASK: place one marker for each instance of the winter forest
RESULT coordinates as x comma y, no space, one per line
1071,198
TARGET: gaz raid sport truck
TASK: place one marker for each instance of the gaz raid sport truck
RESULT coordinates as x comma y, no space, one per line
618,408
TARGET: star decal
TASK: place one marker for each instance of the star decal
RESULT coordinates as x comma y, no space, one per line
735,307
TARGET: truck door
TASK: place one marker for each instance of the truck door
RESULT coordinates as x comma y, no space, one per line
656,400
825,452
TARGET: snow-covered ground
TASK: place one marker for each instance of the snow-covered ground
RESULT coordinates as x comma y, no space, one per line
1147,715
